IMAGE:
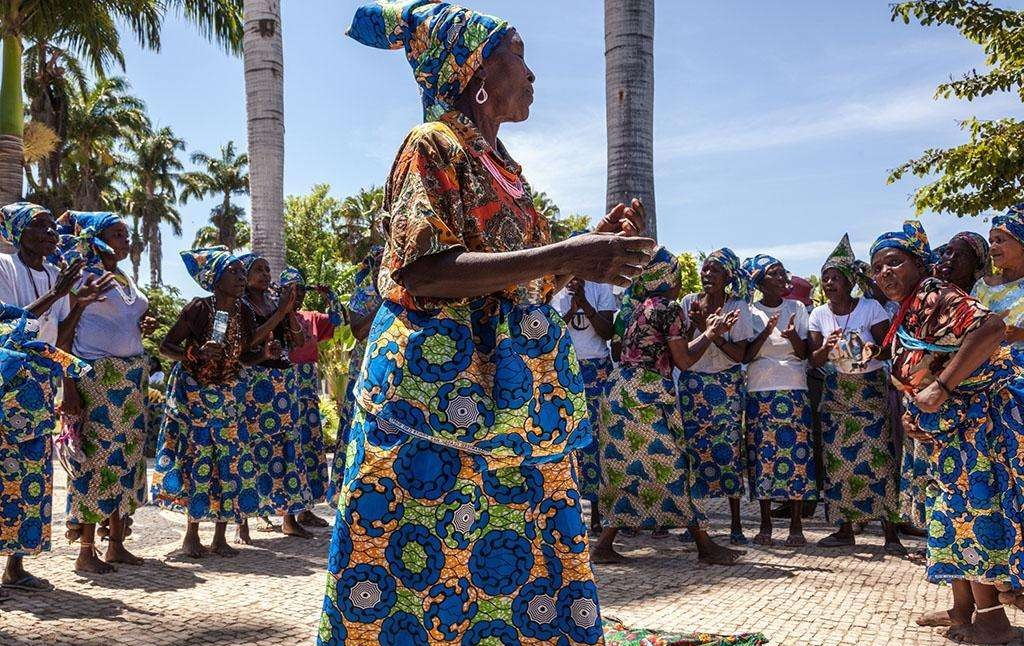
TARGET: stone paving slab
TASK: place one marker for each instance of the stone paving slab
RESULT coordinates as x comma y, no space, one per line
270,595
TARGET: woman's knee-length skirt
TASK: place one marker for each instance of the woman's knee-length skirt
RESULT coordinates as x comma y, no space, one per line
646,477
595,379
780,453
712,414
431,547
26,495
861,474
204,463
111,475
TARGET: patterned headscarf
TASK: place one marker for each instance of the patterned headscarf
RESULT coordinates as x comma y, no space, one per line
292,276
758,266
739,281
659,277
845,262
445,44
979,245
84,240
911,239
15,217
248,260
206,266
1011,222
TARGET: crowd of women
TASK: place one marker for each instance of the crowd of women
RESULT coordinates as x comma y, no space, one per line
503,380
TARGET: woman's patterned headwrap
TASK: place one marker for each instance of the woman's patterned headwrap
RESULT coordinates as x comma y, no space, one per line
292,276
84,240
912,239
206,266
758,266
739,281
445,44
660,276
15,217
248,260
1012,222
845,262
979,245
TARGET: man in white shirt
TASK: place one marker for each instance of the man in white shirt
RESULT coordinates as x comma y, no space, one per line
589,309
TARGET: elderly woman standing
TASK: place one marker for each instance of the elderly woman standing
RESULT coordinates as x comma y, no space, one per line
711,390
204,464
362,308
646,477
108,479
30,283
271,408
778,409
458,516
861,476
949,363
316,328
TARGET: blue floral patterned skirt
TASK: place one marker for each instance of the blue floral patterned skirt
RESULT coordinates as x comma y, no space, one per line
595,379
204,461
712,413
313,455
26,495
779,451
431,547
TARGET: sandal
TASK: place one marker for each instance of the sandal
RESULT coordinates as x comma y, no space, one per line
30,583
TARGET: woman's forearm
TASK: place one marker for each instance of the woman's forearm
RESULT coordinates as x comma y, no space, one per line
753,347
818,352
468,274
686,353
799,347
977,347
172,351
66,329
361,324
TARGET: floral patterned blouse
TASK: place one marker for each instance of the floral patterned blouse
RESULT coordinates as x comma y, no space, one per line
939,314
495,376
655,322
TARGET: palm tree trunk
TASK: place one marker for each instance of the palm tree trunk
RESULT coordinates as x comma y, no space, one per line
155,244
12,122
263,52
629,95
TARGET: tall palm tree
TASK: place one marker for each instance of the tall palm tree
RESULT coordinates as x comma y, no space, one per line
629,103
90,29
263,52
224,176
210,235
154,168
360,214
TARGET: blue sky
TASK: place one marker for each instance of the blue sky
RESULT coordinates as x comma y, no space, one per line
775,123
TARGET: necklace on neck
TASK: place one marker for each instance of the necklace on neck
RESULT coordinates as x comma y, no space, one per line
514,187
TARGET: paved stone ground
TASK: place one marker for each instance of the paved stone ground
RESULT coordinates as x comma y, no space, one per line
271,594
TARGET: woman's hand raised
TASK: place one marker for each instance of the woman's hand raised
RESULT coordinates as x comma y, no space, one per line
625,220
608,258
719,324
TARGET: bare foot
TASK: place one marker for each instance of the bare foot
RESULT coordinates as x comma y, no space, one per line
909,529
895,548
293,528
764,537
242,537
796,539
942,618
715,554
87,561
607,557
194,549
309,518
116,553
837,539
221,548
976,634
1012,598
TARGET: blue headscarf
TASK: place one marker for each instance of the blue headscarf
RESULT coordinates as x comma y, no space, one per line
15,217
912,239
445,44
84,240
739,281
206,266
248,260
1012,222
292,276
758,266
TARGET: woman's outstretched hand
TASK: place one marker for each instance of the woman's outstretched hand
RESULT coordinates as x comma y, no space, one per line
608,258
625,220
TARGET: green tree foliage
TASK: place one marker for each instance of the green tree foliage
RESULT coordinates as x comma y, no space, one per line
223,177
689,270
165,303
561,227
987,172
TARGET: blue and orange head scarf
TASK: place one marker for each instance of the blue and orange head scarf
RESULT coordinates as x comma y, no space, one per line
758,266
911,239
15,217
1011,222
739,281
660,277
206,266
84,239
445,43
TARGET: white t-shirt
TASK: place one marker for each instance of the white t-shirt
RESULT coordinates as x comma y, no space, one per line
713,359
22,286
776,367
867,313
588,343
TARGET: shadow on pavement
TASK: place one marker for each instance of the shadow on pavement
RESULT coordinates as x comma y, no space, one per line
65,604
152,576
